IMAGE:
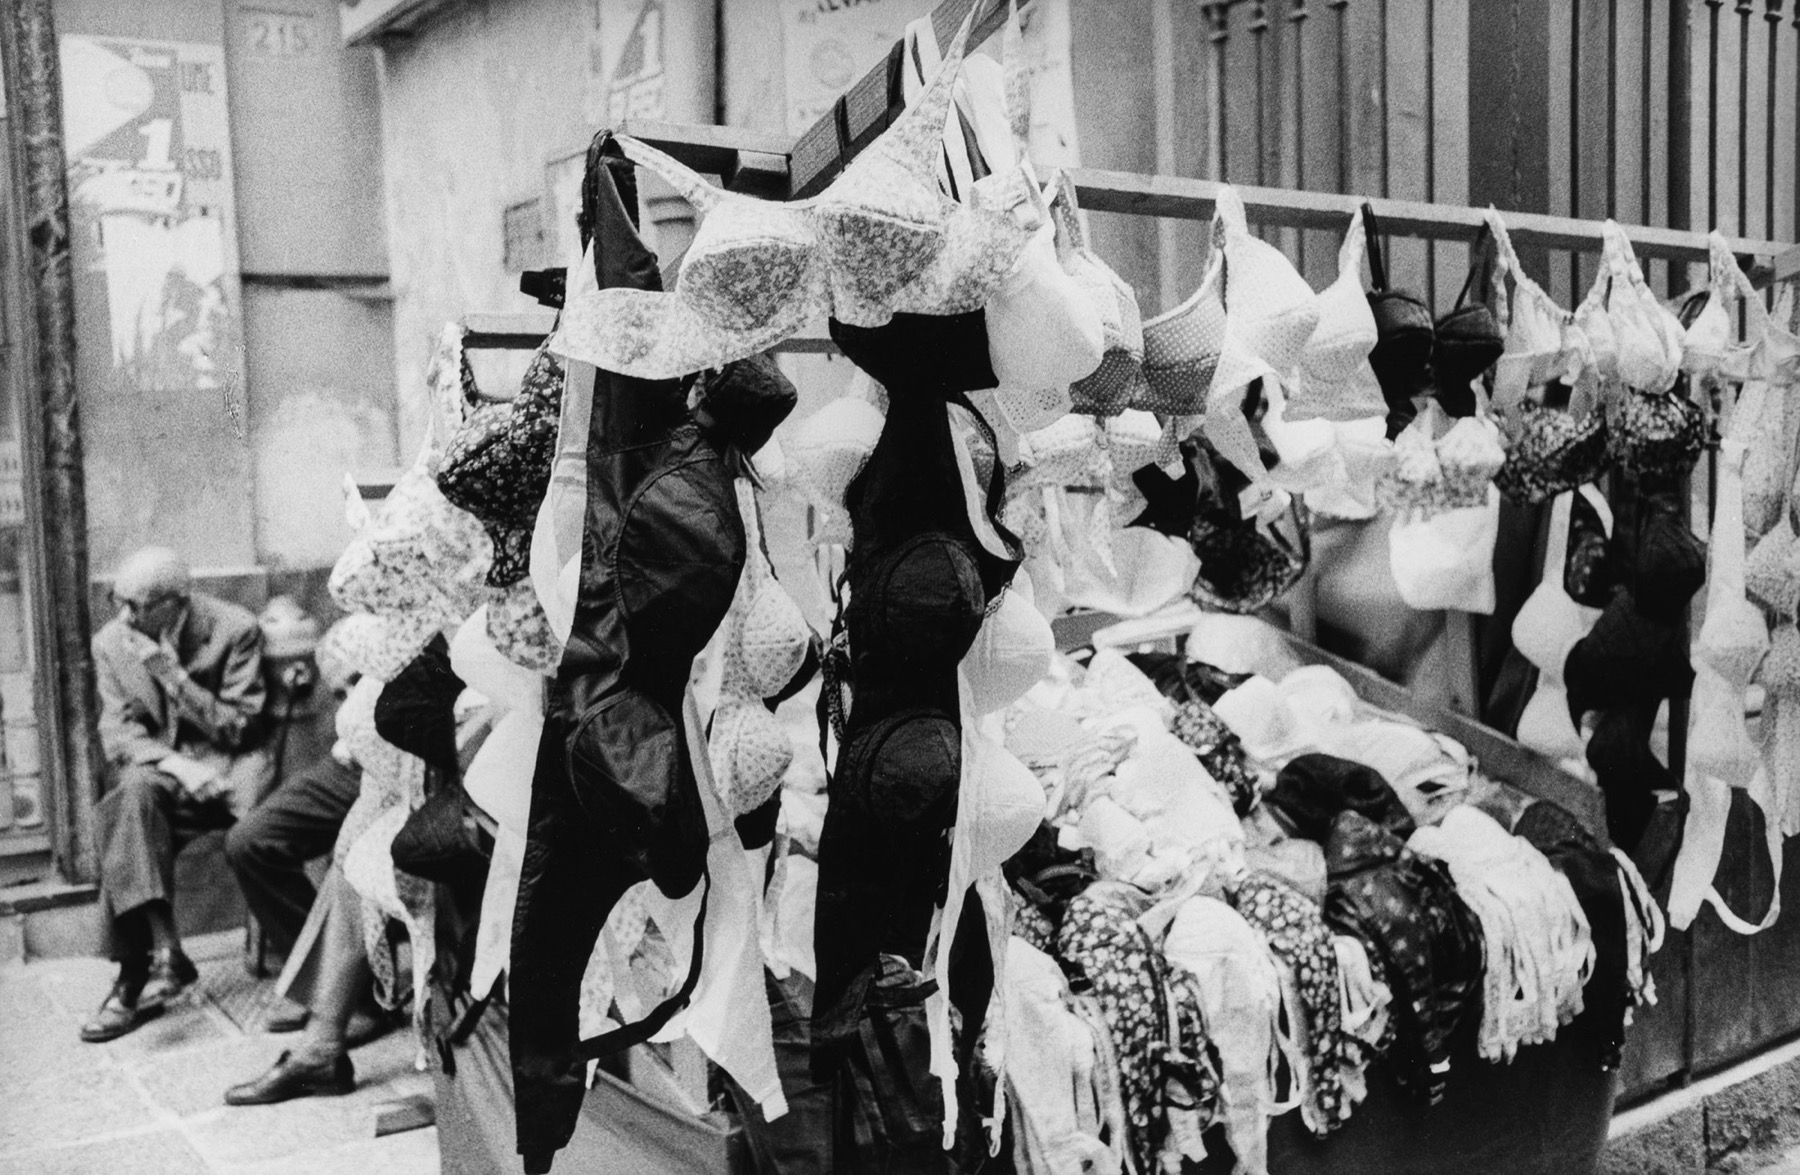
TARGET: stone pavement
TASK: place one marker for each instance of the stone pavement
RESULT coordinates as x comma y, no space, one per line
151,1102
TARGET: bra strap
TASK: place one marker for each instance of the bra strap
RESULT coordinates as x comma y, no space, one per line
1372,237
1481,259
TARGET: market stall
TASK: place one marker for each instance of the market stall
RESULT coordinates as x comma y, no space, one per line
989,701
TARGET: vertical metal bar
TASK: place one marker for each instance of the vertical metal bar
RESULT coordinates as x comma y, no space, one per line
1712,109
1612,108
1431,150
1220,16
1297,23
1644,216
1574,208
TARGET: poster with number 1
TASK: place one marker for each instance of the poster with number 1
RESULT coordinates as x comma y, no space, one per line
149,147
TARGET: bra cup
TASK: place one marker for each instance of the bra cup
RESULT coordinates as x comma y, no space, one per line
1772,571
1011,653
1671,566
775,640
750,752
1552,451
742,282
911,767
1544,725
1006,804
923,608
1468,343
1733,641
872,256
1182,349
1405,340
1548,626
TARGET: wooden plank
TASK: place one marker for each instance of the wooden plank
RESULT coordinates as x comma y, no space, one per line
1408,61
1560,131
1289,72
1450,134
1758,88
1787,266
1195,113
1320,72
1168,235
816,156
1657,1045
1153,195
1630,193
1242,132
709,149
1365,63
1593,142
1784,127
1655,94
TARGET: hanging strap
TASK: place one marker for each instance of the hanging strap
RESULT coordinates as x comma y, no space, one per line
1481,261
1378,276
639,1031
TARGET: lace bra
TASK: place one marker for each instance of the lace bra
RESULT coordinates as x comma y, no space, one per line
1552,451
1333,380
881,238
1453,472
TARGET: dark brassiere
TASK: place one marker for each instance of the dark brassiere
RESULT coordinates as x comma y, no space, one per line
1404,336
1469,338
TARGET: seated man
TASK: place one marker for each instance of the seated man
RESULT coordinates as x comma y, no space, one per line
181,725
296,823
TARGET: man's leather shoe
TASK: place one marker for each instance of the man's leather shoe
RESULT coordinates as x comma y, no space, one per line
121,1012
286,1016
291,1078
170,978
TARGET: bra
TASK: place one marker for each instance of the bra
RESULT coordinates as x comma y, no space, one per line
1453,472
1626,659
497,467
420,559
1273,310
1218,749
1656,435
1552,452
1312,790
826,451
1733,638
1182,350
1670,562
1117,382
1405,337
1635,339
881,239
1244,564
1467,341
1589,574
520,630
1011,651
1550,623
1543,342
1333,380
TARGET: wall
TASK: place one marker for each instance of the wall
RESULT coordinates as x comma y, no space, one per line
474,107
245,473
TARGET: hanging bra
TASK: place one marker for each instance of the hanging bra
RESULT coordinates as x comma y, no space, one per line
1635,339
1552,451
880,239
766,646
828,449
1273,310
1453,472
1405,337
1729,647
1626,659
1245,565
1589,574
1670,563
1467,340
1182,349
1547,627
1333,380
1118,381
497,466
1543,343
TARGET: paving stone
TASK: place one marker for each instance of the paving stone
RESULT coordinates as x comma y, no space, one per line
248,1134
42,1047
76,985
186,1026
194,1080
411,1153
160,1152
70,1108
